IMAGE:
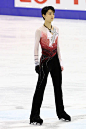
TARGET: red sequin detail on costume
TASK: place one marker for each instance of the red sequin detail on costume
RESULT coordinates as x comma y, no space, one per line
46,50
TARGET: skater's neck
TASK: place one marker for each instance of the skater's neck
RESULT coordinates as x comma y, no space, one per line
47,24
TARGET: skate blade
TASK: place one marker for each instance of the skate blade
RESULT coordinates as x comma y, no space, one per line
64,120
35,123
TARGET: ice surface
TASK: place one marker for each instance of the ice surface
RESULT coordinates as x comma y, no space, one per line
18,77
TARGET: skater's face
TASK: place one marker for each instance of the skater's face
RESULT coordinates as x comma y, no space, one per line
49,16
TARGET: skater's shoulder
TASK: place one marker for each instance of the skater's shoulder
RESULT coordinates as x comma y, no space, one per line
39,29
56,28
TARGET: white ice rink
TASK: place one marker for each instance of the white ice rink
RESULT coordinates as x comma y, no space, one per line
18,77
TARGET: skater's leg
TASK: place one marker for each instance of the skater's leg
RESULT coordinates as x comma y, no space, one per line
39,92
56,75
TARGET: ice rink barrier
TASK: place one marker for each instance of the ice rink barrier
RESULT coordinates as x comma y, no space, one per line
75,9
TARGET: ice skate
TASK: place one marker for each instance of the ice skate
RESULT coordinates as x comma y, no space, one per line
64,116
36,120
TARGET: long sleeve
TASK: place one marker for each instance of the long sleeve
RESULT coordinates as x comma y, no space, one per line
36,47
58,51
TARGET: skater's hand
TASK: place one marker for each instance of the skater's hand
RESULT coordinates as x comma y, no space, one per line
62,68
37,69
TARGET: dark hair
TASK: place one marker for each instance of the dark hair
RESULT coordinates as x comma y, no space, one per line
45,9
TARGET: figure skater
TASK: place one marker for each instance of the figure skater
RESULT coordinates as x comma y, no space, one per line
50,61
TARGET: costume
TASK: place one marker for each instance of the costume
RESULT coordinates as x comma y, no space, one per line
50,61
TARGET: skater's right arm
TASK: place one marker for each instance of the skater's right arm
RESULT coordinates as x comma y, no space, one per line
36,47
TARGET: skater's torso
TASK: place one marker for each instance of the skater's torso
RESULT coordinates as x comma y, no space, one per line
45,39
48,42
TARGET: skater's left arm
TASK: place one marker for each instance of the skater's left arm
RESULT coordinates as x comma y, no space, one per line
59,53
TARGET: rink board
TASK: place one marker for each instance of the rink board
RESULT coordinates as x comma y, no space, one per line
9,8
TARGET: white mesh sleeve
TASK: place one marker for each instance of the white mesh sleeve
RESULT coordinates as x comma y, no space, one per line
58,50
36,47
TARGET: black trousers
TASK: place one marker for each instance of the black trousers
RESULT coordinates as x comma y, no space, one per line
53,66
